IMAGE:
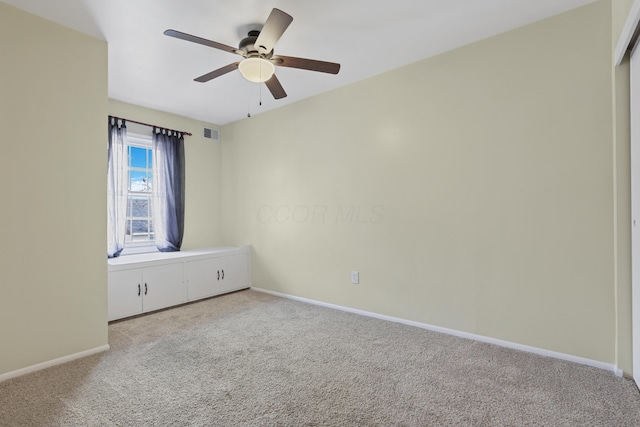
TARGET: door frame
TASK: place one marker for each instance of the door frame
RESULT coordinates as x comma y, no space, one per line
635,213
627,39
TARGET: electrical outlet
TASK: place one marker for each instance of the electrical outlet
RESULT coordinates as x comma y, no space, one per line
355,277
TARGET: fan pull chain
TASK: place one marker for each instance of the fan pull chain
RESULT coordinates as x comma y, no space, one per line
261,84
249,103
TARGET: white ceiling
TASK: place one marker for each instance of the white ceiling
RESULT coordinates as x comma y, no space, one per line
366,37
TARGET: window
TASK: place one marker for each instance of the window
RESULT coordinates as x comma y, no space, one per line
145,190
139,228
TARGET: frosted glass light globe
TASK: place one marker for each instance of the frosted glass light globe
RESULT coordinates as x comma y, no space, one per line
256,70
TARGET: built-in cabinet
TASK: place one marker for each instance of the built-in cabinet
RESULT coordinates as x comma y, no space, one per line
148,282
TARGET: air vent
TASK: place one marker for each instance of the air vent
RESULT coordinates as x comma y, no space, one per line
213,134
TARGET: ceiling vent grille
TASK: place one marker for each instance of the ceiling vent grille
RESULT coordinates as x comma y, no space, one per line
209,133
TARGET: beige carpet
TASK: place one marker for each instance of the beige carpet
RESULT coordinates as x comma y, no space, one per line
251,359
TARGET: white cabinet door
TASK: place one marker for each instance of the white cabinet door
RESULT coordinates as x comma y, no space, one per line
125,293
163,286
203,278
217,275
234,272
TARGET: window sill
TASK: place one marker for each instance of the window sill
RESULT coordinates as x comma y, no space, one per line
143,249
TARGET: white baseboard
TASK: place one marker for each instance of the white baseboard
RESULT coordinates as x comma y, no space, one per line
502,343
54,362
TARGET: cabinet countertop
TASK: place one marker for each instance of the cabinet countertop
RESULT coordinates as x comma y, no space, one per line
148,259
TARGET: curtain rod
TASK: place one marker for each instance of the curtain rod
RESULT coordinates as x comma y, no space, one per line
151,126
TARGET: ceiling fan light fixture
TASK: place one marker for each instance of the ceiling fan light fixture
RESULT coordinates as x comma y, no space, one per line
256,70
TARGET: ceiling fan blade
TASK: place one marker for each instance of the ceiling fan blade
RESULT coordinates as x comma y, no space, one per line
200,40
306,64
217,73
275,87
273,28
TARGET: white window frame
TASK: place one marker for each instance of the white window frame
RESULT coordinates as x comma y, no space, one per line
143,141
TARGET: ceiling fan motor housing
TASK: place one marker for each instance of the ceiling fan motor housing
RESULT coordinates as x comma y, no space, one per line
247,45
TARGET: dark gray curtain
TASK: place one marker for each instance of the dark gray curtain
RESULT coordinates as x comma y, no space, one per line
116,187
168,189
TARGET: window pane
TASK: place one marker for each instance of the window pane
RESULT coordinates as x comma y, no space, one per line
140,230
138,157
140,226
140,207
138,181
149,159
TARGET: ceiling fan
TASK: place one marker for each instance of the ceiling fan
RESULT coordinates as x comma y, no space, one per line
259,61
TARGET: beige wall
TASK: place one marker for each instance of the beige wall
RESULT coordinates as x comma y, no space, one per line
473,190
53,104
202,176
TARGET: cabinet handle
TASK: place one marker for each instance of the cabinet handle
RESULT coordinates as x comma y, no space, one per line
138,289
222,274
218,274
145,288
